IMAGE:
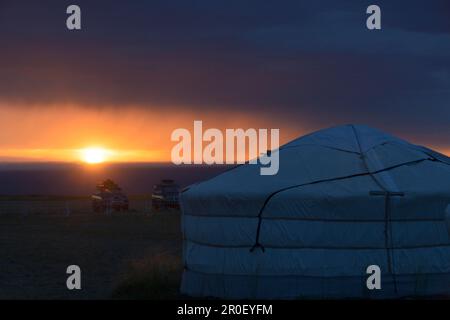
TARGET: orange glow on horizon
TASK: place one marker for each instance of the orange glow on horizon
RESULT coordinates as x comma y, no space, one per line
94,155
128,134
62,133
79,155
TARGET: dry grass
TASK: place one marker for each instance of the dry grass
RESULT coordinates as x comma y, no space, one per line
112,251
153,278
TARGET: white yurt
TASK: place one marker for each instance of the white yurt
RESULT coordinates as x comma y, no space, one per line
344,199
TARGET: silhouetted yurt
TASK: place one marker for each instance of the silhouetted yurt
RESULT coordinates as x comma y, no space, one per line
344,198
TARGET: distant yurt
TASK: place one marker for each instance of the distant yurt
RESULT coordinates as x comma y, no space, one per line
344,199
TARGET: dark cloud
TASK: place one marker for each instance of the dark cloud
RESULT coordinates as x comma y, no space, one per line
298,59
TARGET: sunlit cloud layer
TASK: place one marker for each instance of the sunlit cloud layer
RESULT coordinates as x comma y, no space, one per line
138,70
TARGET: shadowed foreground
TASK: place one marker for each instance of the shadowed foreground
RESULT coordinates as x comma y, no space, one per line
120,256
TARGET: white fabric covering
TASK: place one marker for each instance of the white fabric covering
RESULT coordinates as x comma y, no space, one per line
319,225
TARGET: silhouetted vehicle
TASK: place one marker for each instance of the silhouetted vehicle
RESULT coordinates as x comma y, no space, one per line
109,198
166,195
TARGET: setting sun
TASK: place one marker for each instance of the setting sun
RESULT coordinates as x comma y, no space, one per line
94,155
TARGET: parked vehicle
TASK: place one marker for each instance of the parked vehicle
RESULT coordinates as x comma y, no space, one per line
166,195
109,198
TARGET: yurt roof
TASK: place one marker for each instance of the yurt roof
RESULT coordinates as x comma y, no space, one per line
337,153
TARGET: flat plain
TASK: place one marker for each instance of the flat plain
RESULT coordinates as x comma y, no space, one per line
127,255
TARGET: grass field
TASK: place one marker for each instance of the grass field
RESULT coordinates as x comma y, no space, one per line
123,256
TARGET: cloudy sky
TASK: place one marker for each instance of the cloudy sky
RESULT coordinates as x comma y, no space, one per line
139,69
